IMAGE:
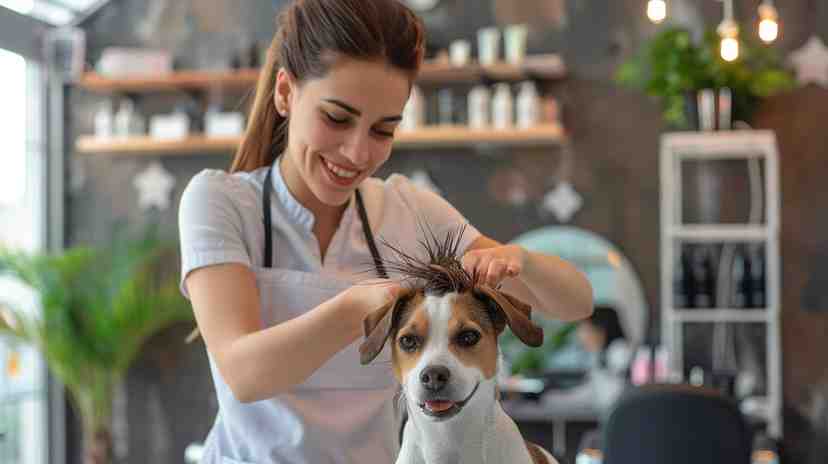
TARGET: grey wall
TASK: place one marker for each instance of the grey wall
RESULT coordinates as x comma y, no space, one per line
169,399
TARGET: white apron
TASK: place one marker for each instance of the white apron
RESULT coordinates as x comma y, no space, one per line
342,414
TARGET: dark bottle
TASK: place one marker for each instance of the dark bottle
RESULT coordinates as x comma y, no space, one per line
704,278
683,281
740,280
758,288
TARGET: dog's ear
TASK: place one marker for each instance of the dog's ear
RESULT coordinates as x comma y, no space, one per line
518,315
377,326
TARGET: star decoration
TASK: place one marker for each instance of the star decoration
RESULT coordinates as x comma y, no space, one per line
422,179
811,62
154,185
563,201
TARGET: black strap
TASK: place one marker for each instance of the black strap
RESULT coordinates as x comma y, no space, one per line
268,224
369,237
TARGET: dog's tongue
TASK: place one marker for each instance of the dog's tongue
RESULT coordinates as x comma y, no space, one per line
439,406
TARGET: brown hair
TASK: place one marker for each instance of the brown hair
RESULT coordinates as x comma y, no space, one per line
308,34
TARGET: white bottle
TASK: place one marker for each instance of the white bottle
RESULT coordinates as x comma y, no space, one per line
413,115
528,106
502,106
123,118
103,121
479,107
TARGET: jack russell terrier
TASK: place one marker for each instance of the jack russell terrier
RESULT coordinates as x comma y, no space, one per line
445,356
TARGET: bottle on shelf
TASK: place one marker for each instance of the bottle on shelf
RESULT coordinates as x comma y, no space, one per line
502,106
104,121
681,281
479,101
704,277
123,118
758,289
740,280
528,105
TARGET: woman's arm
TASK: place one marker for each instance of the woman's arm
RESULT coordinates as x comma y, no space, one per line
548,283
258,363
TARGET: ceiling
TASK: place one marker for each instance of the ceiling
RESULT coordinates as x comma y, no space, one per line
56,12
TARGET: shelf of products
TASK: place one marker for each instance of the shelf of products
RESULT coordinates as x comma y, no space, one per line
690,276
541,67
545,135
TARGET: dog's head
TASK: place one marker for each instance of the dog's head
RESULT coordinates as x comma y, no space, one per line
444,341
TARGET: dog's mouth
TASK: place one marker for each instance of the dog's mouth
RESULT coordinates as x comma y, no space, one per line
441,410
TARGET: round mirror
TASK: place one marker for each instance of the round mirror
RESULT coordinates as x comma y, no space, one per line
614,281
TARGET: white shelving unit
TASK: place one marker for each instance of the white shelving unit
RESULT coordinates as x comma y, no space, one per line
676,149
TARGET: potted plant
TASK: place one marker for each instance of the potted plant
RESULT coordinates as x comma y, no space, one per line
673,68
97,308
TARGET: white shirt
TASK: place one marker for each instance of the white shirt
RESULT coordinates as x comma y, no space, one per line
338,413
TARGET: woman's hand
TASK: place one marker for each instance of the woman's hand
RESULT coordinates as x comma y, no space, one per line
492,265
369,295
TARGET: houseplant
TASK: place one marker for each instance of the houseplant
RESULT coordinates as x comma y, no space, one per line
97,308
673,67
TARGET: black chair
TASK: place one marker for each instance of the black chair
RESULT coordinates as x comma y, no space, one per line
675,424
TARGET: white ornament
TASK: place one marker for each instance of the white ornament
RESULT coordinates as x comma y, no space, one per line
563,201
422,179
811,62
154,185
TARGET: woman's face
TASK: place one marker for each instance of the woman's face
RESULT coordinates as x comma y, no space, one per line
341,127
591,337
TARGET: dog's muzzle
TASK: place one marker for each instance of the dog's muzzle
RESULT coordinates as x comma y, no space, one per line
441,409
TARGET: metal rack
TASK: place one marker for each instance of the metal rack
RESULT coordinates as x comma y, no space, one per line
676,148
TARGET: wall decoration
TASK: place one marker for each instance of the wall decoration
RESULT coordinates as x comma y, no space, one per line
563,201
811,62
154,185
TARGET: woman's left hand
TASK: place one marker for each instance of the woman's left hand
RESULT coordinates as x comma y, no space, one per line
492,265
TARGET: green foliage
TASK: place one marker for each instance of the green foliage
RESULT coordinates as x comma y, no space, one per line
670,66
98,308
531,361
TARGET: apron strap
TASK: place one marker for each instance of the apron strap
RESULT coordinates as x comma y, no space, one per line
268,225
369,237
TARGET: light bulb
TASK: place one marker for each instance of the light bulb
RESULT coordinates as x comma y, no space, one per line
656,10
768,22
730,48
729,32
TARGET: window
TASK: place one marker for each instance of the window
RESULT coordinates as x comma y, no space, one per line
57,12
23,379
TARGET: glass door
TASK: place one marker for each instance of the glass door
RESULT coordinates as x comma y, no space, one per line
23,379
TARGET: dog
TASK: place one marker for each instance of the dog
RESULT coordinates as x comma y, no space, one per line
445,356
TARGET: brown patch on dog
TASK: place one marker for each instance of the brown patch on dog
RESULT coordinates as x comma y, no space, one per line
468,313
413,321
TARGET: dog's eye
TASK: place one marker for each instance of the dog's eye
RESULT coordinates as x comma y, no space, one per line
408,343
468,338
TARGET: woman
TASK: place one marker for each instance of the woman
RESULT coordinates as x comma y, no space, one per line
272,252
602,336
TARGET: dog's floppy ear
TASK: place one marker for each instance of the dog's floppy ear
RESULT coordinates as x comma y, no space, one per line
377,326
517,315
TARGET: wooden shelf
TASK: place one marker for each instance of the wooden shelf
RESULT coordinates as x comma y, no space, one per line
450,136
459,136
539,66
173,82
151,146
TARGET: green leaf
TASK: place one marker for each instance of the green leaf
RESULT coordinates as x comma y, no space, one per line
98,308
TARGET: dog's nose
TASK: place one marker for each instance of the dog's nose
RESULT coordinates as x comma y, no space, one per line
434,378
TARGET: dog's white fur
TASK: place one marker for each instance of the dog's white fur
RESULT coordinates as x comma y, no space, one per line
481,432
